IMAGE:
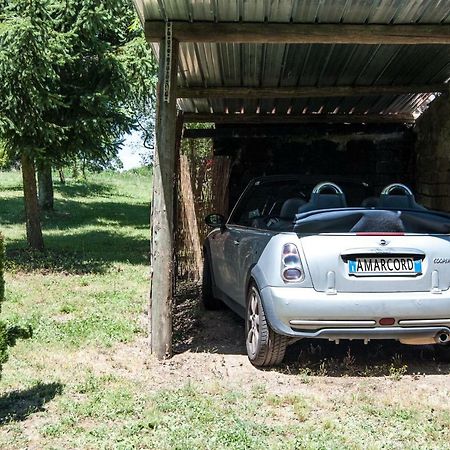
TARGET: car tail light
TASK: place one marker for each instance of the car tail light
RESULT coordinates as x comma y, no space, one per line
291,265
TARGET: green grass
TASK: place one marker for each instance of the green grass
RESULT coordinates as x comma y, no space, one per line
85,381
90,283
88,290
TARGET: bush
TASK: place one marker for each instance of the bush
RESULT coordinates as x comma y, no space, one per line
3,328
2,265
8,333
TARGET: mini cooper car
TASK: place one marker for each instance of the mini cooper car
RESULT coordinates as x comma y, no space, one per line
298,260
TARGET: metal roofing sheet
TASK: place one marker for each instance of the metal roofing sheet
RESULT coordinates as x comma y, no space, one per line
313,64
269,65
304,11
273,65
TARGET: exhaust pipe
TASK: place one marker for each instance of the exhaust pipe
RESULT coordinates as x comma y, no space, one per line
442,337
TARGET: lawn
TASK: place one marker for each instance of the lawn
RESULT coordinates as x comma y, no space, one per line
86,379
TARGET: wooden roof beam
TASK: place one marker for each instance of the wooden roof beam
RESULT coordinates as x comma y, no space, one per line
300,118
295,33
306,92
301,131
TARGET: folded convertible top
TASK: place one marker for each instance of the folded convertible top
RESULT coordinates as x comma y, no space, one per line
355,220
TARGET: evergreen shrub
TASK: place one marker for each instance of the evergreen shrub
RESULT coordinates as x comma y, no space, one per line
8,333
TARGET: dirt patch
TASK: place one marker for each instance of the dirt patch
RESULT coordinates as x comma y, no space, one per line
209,348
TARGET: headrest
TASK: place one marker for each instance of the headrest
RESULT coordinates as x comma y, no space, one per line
324,201
399,202
290,208
328,201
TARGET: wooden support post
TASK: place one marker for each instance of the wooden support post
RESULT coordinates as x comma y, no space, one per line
161,295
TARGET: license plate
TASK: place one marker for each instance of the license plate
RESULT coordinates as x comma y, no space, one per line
382,266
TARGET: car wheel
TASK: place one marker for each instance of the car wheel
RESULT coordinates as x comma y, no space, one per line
265,348
209,301
443,352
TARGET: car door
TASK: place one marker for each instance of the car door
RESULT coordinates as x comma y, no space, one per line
224,245
231,281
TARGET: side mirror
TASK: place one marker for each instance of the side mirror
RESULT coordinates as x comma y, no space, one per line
215,220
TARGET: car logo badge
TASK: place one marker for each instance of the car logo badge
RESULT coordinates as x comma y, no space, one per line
383,242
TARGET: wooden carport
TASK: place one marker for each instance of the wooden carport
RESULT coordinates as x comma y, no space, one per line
281,61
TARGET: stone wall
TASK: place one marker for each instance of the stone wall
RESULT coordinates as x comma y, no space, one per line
432,168
376,155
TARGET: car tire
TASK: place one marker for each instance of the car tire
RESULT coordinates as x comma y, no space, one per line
265,348
442,352
209,301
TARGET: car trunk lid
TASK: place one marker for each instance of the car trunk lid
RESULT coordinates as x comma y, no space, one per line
377,262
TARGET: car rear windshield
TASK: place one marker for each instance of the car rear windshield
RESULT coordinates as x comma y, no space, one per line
280,205
265,198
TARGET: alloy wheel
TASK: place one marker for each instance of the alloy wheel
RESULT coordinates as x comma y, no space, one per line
253,319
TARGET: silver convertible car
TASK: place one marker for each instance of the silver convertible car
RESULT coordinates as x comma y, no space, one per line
299,260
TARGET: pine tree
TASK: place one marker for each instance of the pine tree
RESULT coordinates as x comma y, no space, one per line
75,76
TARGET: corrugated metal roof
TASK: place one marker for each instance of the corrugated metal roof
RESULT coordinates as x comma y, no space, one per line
273,65
300,11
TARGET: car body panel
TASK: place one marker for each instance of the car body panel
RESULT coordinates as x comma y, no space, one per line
324,253
306,304
329,302
239,249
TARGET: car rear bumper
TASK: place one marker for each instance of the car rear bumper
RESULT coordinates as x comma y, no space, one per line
420,318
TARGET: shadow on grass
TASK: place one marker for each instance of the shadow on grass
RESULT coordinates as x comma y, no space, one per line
75,214
80,237
12,211
83,189
12,188
92,252
377,358
18,405
222,332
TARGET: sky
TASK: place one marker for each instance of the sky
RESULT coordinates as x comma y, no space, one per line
130,153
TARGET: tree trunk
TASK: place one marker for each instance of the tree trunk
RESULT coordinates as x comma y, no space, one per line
75,172
62,177
45,182
34,231
83,169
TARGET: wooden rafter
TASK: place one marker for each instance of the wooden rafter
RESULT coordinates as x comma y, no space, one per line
235,131
306,92
300,118
294,33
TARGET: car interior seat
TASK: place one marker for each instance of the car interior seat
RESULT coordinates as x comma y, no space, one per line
290,208
287,213
320,200
404,200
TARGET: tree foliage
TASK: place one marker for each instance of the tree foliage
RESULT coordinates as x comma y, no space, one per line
28,78
75,76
